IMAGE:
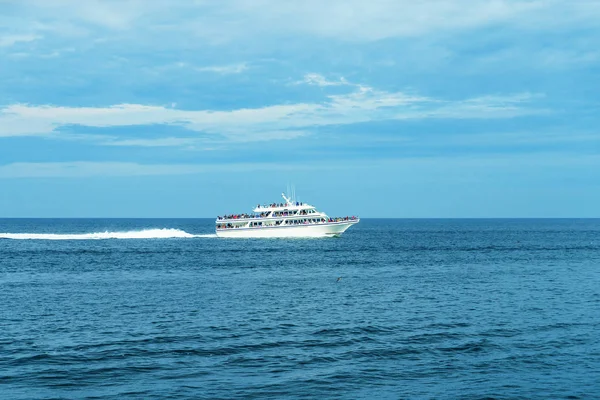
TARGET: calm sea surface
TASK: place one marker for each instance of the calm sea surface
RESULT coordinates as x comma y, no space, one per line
424,309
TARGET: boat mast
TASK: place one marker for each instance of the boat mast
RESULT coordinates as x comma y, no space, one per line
287,200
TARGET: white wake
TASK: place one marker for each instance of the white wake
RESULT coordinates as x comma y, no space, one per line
142,234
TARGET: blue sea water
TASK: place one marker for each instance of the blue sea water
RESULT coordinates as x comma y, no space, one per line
424,309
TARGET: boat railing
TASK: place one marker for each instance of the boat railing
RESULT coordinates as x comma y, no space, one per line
242,216
281,205
342,219
275,214
305,221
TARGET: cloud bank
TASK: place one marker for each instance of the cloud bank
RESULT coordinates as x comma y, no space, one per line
280,121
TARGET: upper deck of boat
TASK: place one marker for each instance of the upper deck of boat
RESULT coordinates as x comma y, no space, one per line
283,207
287,209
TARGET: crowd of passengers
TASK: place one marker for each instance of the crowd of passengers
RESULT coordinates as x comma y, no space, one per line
289,213
298,203
264,215
293,222
341,219
226,226
238,216
278,213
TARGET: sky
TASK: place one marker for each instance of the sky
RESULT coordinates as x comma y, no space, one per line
380,108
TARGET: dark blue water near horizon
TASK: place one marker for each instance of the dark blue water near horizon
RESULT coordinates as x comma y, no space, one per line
424,309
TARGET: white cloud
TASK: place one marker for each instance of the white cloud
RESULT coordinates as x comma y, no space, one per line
228,69
343,19
378,19
439,33
284,121
109,14
521,138
224,69
504,162
486,107
77,169
10,40
565,53
319,80
86,169
358,20
160,142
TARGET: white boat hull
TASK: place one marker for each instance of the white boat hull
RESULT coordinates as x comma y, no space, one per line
308,230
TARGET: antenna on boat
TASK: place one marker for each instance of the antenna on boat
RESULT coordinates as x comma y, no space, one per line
287,199
290,195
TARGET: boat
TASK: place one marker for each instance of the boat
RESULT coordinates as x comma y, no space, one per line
282,220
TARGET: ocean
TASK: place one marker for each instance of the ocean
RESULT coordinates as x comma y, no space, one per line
394,308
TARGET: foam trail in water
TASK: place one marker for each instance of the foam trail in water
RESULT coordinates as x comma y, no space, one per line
143,234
